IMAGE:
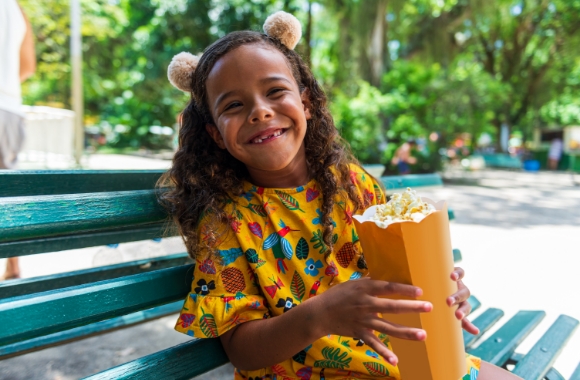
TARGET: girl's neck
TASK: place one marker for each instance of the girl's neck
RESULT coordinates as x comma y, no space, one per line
296,174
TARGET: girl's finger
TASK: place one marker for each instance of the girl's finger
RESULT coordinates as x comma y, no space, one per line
469,327
462,295
457,274
386,305
463,310
395,330
379,347
385,288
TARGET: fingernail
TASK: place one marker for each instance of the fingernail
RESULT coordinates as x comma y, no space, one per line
392,360
460,315
452,300
418,292
421,335
428,306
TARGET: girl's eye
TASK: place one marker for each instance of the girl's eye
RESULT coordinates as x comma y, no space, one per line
275,90
232,105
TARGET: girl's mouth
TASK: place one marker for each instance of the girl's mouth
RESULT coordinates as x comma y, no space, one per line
268,136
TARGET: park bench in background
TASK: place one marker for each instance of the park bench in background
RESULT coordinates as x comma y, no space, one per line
58,210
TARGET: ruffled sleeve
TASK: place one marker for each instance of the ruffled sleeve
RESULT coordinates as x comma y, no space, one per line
224,293
371,191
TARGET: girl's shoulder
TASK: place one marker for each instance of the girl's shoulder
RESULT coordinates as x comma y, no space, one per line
370,189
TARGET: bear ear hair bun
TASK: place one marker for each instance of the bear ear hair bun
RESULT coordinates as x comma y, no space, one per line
280,25
181,69
284,27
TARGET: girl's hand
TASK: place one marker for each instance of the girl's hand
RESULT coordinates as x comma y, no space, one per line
460,299
351,309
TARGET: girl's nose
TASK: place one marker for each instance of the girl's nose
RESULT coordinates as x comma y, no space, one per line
260,112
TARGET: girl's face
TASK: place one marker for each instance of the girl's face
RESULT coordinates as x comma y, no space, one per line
259,112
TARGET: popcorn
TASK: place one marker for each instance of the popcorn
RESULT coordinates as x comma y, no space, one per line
402,207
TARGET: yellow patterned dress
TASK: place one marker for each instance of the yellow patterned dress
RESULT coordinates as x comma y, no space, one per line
271,262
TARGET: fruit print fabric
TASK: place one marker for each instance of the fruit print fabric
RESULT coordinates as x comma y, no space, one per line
272,260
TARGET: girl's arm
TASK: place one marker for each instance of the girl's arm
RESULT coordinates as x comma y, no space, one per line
349,309
27,53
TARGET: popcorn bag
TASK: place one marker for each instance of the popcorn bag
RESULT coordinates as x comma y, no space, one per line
407,241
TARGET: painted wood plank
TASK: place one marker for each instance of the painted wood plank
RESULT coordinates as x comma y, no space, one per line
25,286
537,362
50,215
52,182
411,180
58,310
93,329
484,322
457,255
576,374
499,347
85,239
553,374
474,302
180,362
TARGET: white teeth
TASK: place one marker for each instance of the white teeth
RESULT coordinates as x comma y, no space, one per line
275,134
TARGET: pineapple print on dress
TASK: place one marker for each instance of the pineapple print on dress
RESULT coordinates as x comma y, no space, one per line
348,251
233,280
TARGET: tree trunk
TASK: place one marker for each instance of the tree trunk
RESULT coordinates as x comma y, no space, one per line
376,45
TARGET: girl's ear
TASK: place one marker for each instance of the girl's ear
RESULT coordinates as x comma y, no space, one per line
305,96
215,135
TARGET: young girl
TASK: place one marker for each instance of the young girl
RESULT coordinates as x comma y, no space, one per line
263,191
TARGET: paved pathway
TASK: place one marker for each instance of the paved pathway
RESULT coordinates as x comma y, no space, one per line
518,233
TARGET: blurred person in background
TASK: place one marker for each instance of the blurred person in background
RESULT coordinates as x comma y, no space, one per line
403,159
17,63
555,153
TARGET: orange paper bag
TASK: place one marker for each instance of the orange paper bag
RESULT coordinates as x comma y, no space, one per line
419,253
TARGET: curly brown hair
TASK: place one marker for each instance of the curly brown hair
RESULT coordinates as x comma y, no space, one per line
203,177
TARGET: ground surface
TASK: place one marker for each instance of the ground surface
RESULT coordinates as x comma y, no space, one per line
519,234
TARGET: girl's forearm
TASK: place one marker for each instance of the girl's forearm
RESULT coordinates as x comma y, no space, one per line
264,343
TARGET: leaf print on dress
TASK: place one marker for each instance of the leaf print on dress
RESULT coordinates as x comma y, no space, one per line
304,373
253,258
302,249
208,325
301,356
186,320
318,241
333,358
207,266
311,194
318,219
378,193
289,202
297,286
230,255
255,229
376,369
368,198
257,209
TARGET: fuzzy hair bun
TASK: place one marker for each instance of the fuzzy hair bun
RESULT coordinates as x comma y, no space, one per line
285,27
181,69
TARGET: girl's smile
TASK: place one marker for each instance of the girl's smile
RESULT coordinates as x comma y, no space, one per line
260,114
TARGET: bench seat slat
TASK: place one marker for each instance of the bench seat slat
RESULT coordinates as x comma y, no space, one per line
58,310
498,348
51,182
457,255
64,280
52,215
540,358
82,332
553,374
483,322
180,362
83,240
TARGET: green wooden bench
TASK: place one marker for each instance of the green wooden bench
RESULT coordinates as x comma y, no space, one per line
51,211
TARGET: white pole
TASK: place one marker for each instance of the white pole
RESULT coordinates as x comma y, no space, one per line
77,78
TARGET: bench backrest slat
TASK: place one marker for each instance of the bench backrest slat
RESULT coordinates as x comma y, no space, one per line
64,280
537,362
483,322
51,182
180,362
83,240
411,180
58,310
498,348
42,216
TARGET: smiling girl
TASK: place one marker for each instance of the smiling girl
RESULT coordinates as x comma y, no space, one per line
263,191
